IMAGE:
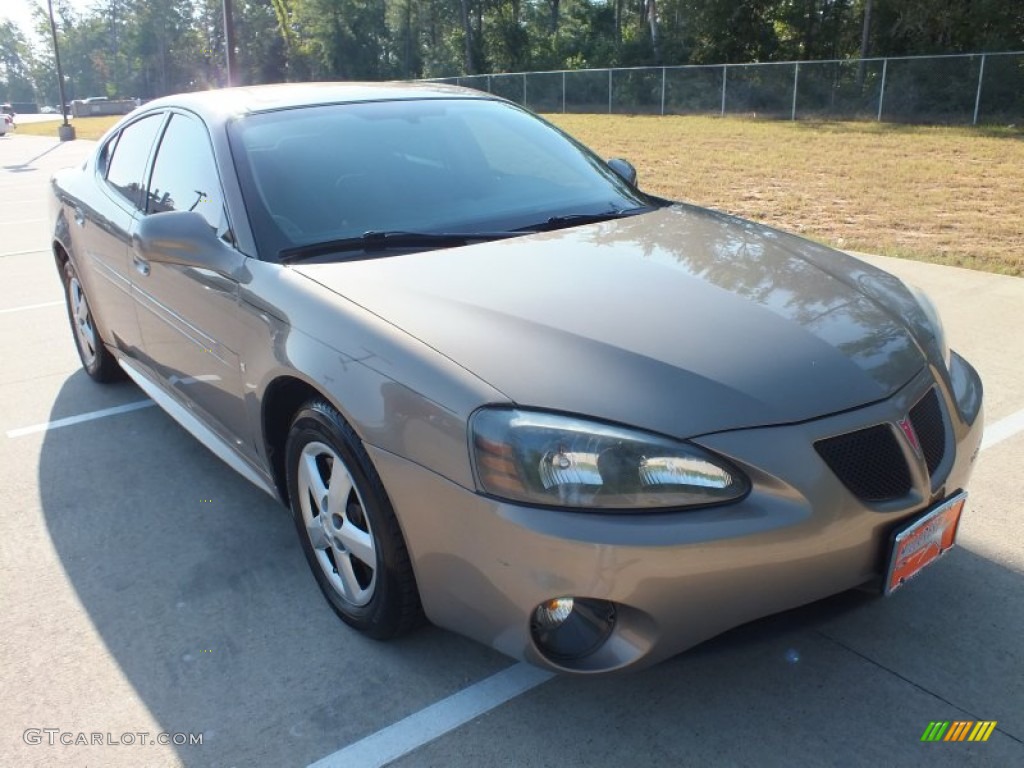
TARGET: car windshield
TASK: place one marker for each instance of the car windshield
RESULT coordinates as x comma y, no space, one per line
324,173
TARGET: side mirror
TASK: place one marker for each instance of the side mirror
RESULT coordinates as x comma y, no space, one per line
184,238
624,169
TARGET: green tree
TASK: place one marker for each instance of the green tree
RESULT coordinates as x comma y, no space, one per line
148,48
15,65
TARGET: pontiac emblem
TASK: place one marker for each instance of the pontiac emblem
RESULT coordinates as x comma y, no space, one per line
908,432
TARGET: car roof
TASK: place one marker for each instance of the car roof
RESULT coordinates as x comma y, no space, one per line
223,103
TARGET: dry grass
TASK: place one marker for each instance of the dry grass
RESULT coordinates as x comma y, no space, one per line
85,127
948,195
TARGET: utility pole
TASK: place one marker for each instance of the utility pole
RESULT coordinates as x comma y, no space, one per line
467,29
229,44
865,39
65,132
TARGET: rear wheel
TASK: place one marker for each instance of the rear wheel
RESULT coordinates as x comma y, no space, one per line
96,358
348,530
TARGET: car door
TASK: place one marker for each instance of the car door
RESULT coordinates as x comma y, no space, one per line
189,316
101,230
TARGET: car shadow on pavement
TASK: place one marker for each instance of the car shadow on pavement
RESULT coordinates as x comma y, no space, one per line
80,394
197,585
847,681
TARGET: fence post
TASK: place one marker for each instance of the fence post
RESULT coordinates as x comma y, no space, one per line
725,71
609,91
881,92
524,89
977,98
489,84
796,82
563,92
663,90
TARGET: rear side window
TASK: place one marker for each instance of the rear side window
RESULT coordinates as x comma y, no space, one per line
126,168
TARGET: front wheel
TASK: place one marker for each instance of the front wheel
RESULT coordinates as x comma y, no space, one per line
348,530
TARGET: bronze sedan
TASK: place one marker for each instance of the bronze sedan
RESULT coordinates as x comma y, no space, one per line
501,387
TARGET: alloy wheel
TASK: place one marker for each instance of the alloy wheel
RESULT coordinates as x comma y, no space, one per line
85,331
336,524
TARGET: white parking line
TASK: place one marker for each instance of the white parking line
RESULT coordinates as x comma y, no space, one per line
436,720
1002,429
70,420
22,253
31,306
421,728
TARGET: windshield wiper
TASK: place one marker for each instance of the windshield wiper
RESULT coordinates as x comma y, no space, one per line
576,219
384,240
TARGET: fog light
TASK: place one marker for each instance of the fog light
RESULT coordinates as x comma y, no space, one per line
568,628
552,613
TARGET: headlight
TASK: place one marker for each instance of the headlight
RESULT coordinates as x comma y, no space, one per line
932,315
563,461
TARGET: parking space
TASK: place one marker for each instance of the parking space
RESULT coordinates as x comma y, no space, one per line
145,587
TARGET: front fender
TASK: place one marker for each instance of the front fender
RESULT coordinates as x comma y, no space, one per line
398,394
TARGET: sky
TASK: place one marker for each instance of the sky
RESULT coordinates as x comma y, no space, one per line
20,11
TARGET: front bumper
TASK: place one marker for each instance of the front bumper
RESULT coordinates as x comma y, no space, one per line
676,578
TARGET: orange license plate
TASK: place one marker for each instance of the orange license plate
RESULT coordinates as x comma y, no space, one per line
924,541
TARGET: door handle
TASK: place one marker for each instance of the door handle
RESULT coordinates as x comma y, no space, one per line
141,265
79,216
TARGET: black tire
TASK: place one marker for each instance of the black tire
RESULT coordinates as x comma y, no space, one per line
96,359
389,603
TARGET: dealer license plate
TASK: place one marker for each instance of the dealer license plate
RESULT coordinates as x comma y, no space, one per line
924,541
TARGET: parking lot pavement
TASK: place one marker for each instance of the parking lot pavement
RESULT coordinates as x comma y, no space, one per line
27,118
145,587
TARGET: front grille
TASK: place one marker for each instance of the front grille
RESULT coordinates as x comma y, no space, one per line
868,462
926,417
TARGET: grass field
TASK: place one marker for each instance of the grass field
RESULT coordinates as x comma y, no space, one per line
85,127
948,195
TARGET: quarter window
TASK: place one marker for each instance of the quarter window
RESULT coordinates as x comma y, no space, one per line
106,153
126,168
184,174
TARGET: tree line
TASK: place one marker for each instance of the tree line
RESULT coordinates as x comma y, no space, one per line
148,48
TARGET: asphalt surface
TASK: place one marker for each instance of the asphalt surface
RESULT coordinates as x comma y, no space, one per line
144,587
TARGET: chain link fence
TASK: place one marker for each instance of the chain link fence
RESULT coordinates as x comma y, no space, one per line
965,89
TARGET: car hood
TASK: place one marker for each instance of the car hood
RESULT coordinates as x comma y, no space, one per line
683,321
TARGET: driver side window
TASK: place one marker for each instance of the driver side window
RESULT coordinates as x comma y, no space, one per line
185,175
